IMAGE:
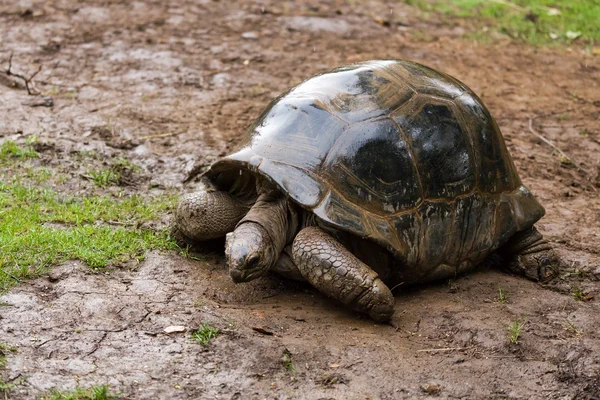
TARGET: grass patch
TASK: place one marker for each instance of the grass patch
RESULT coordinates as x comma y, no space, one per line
101,392
578,294
10,150
40,227
104,177
502,297
120,172
5,387
570,327
288,362
4,350
205,334
538,22
514,331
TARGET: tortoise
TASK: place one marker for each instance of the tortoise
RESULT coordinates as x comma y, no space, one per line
370,175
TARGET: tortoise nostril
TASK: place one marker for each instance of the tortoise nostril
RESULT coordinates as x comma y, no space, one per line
544,261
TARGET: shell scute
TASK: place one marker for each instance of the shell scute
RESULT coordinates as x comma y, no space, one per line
431,82
301,122
496,170
356,93
441,148
371,166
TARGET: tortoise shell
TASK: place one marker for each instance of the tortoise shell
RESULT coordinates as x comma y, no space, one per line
395,152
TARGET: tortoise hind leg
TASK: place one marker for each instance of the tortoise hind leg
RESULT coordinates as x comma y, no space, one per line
337,273
530,255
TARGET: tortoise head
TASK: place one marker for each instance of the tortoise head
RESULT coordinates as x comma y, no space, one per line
250,252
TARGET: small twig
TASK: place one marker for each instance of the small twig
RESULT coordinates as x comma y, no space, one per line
262,331
28,81
10,275
562,153
161,135
548,142
348,366
445,349
119,223
400,284
44,342
97,344
500,356
509,4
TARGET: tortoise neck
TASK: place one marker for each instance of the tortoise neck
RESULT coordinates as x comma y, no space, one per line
275,215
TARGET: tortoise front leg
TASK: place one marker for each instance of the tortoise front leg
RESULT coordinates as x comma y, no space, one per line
530,255
207,214
336,272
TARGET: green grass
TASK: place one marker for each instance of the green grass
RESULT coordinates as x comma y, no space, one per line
40,228
115,174
5,387
288,362
502,297
514,331
205,334
578,293
539,22
570,327
4,350
104,177
101,392
10,150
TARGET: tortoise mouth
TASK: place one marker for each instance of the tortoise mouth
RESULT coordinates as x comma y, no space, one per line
246,264
246,275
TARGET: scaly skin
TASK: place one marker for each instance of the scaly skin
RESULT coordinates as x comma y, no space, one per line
208,214
531,256
337,273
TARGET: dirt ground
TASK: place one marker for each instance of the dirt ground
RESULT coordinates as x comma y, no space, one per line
173,87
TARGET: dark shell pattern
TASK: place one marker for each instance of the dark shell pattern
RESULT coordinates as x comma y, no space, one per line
398,153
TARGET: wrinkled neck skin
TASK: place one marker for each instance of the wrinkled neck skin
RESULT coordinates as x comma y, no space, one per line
259,238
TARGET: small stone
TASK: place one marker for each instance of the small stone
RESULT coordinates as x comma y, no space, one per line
174,329
430,388
250,35
55,276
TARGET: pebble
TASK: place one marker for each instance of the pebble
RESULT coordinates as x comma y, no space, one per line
250,35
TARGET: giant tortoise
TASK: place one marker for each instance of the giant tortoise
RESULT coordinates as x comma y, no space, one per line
368,176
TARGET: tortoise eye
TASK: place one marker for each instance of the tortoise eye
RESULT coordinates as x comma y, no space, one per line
252,262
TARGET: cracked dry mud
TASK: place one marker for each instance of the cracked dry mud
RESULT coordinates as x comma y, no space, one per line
172,87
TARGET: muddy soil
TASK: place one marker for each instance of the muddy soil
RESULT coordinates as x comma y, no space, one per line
172,87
